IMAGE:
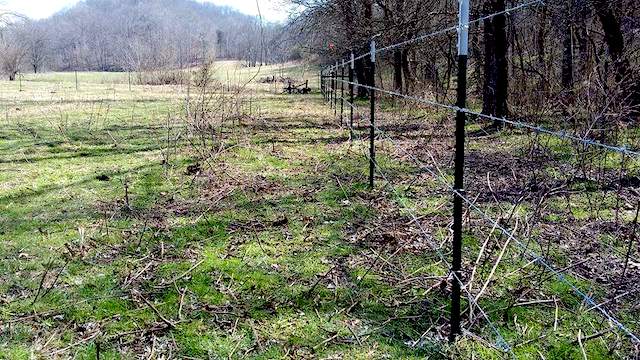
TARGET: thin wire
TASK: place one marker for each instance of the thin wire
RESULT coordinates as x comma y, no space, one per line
560,276
440,32
561,134
538,129
501,343
533,255
537,258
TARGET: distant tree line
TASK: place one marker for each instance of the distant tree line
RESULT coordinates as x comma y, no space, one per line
136,35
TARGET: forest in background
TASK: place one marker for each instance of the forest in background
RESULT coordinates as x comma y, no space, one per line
133,35
569,60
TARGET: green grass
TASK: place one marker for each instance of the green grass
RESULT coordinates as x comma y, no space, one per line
277,249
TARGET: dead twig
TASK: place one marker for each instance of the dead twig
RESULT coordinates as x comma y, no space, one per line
42,279
313,287
164,319
175,279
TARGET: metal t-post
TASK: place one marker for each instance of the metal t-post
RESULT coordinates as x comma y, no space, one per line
335,90
341,94
333,87
324,85
456,264
372,119
351,68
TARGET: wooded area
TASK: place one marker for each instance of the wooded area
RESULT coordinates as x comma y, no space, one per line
559,57
137,36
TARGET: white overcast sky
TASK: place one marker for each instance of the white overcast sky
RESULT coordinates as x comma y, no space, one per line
272,10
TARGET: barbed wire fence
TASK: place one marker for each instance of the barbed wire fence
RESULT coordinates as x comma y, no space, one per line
528,248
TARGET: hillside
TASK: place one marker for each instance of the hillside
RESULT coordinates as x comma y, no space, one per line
111,35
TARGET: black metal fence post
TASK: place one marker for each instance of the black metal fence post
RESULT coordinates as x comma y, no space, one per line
351,68
335,90
323,85
328,84
456,264
333,87
341,94
320,79
326,88
372,119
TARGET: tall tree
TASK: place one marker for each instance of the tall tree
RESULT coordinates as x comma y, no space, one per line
614,38
35,41
567,56
495,61
12,51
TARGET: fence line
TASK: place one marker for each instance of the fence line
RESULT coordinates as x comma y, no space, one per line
439,32
502,344
509,233
538,129
457,190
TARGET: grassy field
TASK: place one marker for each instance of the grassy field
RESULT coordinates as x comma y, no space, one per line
119,240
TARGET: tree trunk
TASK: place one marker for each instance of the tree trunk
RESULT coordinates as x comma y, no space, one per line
567,59
615,43
584,65
362,67
495,62
399,56
406,69
363,75
540,44
476,56
397,70
368,11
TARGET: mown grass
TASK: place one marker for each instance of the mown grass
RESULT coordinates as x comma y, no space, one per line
261,255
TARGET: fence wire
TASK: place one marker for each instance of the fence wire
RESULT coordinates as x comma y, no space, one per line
535,257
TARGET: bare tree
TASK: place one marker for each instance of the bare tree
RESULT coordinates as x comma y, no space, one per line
35,41
12,51
495,61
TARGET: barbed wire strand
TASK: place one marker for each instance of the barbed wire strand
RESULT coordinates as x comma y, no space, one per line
518,124
534,256
439,32
502,344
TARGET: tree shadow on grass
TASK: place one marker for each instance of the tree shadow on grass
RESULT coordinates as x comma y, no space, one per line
86,154
29,195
